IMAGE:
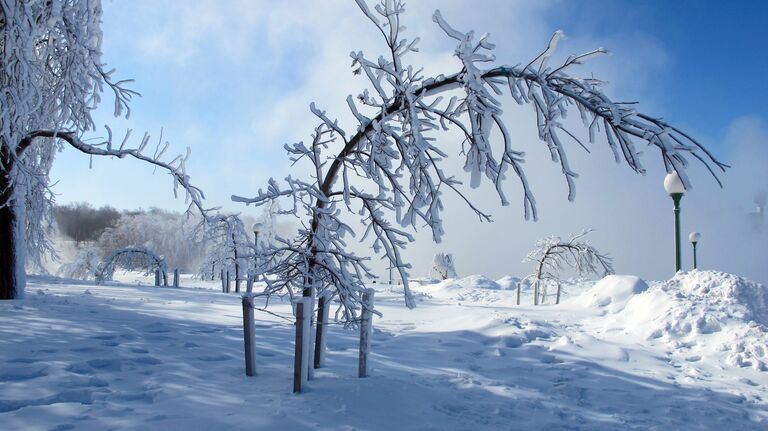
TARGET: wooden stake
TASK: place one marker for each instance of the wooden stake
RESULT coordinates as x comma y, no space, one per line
323,307
301,352
366,331
176,277
249,339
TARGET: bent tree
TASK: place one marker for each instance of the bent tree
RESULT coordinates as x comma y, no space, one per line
388,166
131,258
553,254
51,79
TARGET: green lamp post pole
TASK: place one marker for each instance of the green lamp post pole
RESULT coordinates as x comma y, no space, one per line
675,188
694,237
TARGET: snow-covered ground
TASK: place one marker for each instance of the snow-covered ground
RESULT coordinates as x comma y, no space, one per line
688,353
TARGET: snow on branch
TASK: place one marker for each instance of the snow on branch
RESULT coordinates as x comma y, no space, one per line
389,166
553,254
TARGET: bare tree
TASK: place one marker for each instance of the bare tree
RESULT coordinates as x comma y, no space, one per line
553,254
388,165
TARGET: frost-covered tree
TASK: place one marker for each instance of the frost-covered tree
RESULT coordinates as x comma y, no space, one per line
171,234
388,167
51,79
553,254
228,248
444,266
84,266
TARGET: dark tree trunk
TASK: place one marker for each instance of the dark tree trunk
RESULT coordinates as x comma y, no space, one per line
8,288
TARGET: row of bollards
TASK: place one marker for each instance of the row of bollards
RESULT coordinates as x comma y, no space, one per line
305,338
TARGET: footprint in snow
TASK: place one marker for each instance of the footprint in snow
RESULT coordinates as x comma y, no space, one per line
156,328
23,360
78,396
214,358
110,343
21,374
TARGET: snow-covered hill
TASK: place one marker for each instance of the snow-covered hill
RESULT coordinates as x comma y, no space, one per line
688,353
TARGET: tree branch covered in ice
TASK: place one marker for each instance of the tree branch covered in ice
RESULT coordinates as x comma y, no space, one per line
389,166
553,254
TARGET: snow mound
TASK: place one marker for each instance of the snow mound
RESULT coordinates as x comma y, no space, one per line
704,313
612,292
508,282
474,288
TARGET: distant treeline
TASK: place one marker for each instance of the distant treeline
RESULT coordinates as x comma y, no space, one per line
104,229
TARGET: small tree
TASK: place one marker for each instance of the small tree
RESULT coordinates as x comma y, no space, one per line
228,247
552,255
443,266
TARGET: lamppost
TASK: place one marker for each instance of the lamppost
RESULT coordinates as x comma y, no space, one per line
694,237
256,228
675,188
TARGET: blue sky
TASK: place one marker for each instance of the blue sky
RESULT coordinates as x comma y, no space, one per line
715,48
233,81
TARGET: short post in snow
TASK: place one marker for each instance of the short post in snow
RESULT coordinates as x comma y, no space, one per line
176,277
249,338
519,286
301,353
323,307
366,331
223,283
157,277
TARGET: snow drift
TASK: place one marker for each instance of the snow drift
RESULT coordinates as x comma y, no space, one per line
706,314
